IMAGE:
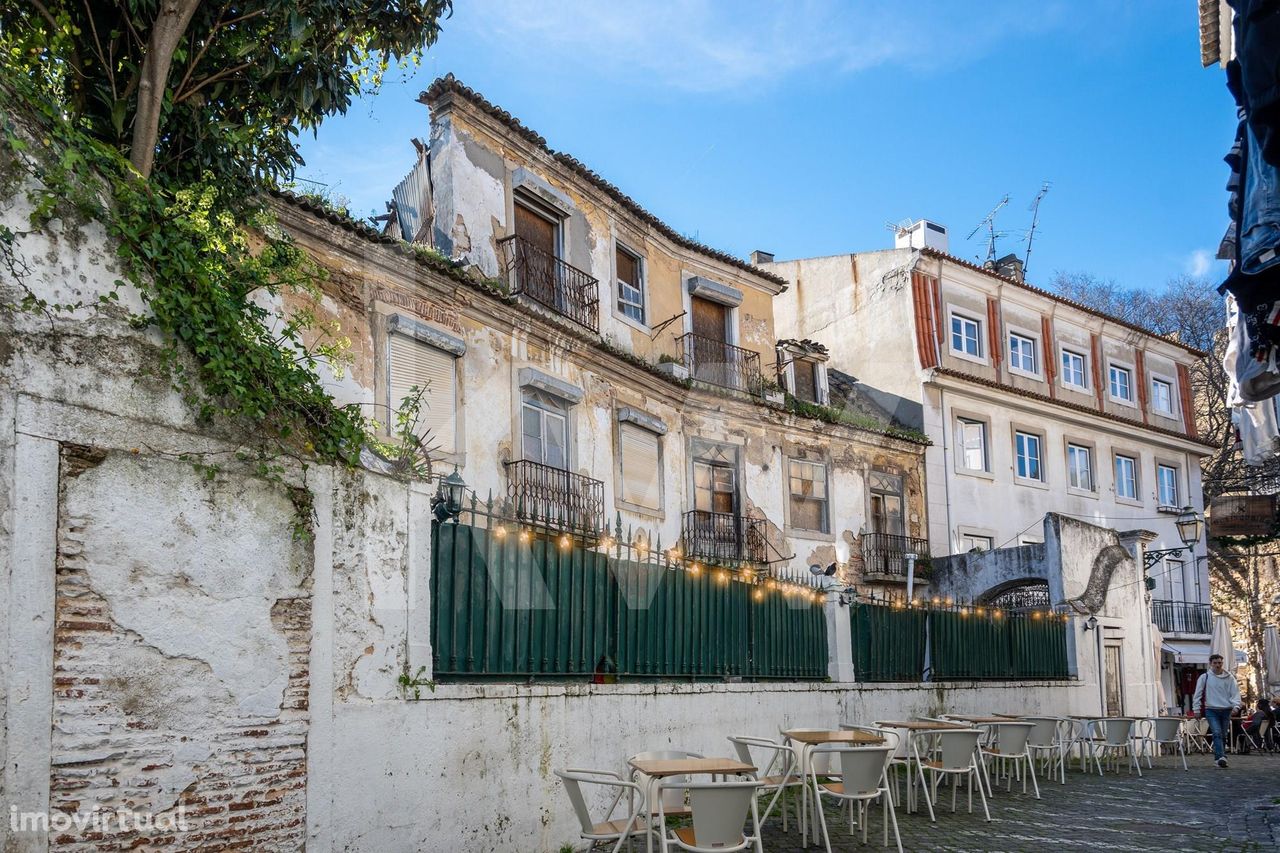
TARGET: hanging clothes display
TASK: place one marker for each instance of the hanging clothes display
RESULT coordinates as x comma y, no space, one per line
1252,243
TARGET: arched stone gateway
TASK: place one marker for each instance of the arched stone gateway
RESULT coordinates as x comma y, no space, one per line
1021,594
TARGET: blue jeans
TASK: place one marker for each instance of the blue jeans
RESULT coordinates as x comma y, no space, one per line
1220,724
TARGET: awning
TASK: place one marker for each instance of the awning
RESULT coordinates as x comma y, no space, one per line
1187,652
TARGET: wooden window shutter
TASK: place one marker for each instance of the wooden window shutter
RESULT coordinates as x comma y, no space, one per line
415,363
641,471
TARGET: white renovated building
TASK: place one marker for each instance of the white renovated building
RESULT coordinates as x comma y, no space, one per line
1033,403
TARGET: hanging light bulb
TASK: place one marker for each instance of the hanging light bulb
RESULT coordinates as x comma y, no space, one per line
565,542
524,536
500,532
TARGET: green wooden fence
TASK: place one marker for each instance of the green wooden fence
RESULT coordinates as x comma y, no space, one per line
899,643
888,643
517,605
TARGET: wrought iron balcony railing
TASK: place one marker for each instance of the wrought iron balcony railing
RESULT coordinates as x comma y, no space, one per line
545,496
885,554
1182,617
723,536
717,363
552,283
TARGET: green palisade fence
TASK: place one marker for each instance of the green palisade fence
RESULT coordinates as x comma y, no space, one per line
888,643
965,642
519,607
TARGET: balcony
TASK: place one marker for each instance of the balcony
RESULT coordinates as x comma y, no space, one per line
550,282
884,556
1182,617
723,537
720,364
544,496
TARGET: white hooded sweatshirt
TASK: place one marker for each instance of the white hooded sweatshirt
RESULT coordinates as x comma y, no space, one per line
1216,691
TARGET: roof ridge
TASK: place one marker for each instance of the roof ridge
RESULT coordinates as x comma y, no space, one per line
450,84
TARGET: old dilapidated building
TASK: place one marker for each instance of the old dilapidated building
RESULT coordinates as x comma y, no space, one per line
595,367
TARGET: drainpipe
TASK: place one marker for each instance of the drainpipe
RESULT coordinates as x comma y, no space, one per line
911,575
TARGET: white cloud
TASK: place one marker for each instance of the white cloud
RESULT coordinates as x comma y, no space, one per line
1198,263
701,45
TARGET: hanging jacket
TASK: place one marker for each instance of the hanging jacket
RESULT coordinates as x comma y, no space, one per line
1254,75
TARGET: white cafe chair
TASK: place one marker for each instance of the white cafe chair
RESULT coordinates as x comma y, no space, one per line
779,774
863,779
718,811
954,754
609,828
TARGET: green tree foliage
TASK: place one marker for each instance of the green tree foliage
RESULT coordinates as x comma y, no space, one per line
188,88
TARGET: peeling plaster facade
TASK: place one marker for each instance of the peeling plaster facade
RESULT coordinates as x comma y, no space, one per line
481,163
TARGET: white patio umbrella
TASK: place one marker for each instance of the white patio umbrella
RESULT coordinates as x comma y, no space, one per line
1157,646
1221,643
1271,647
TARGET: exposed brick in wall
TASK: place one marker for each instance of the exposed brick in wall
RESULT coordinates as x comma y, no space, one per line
131,726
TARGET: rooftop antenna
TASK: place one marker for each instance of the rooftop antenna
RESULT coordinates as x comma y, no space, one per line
1035,219
990,222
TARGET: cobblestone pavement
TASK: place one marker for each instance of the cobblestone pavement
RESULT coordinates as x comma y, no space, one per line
1207,809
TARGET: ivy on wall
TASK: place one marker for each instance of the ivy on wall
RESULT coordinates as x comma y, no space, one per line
187,251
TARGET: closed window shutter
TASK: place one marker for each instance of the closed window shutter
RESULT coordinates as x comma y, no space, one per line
641,475
414,363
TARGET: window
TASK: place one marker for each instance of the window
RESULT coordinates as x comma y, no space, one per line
972,542
1027,450
641,452
1080,467
414,364
805,374
965,336
971,440
544,430
1073,370
808,484
1022,353
1126,478
715,481
1121,384
1162,397
630,285
1175,580
886,504
1167,486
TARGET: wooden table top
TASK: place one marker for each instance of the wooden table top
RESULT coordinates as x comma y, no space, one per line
919,725
975,718
684,766
843,736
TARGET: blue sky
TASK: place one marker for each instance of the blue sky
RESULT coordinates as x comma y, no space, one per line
803,128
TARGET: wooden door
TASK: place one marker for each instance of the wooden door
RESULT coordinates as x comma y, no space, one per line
710,325
1114,685
536,229
537,249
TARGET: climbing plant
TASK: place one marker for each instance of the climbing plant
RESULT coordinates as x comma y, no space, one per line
201,263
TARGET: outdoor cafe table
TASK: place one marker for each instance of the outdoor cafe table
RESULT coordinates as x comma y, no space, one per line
657,770
808,741
979,719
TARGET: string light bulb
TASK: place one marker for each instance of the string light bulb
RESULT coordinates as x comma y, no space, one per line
524,536
565,542
500,532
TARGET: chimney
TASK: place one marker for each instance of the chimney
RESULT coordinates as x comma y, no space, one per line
922,234
1010,266
758,257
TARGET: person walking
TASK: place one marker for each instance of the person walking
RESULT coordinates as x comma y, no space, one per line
1217,696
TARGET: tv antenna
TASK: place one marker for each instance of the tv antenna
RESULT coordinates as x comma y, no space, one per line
989,222
1035,219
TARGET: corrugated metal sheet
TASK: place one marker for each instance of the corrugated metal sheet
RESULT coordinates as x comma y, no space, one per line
412,197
